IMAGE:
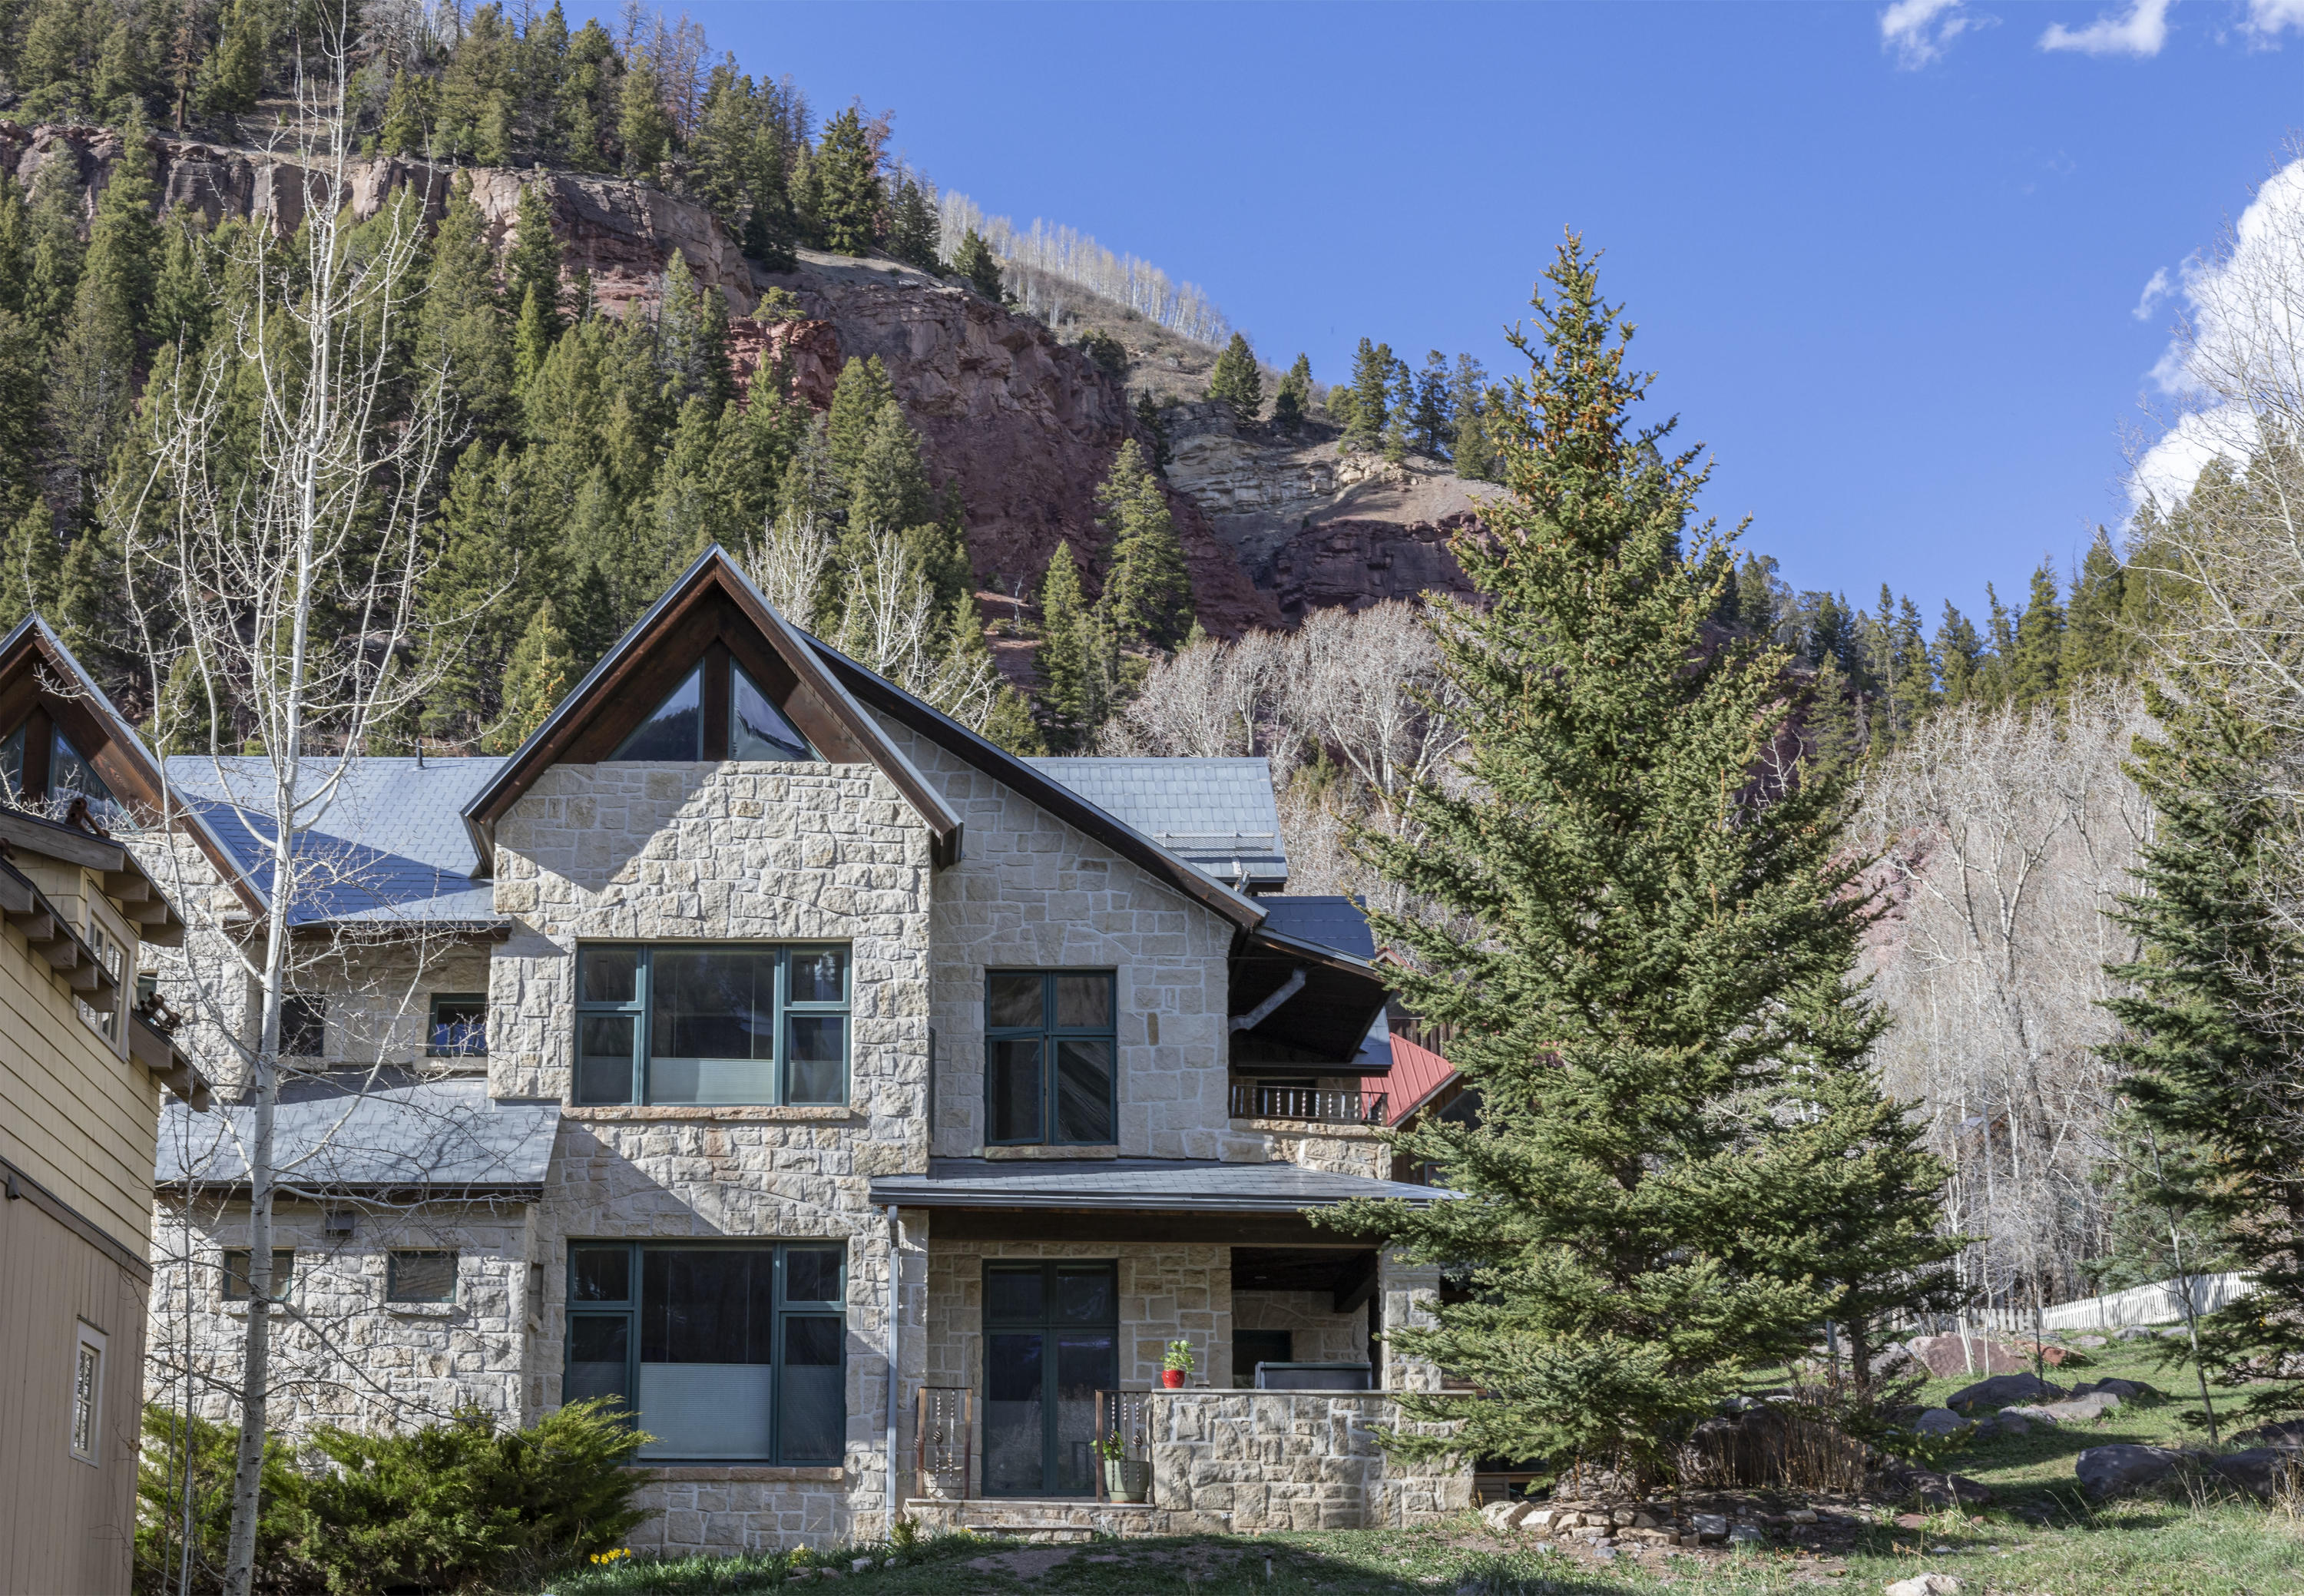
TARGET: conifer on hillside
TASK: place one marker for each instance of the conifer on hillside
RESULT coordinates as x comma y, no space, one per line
1958,655
1148,601
975,261
847,175
2036,665
1644,957
1236,383
1293,400
538,675
2093,639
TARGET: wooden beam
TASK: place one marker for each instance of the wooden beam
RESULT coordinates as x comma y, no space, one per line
1358,1285
129,887
61,843
1110,1225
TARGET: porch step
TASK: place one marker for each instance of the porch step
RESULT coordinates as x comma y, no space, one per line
1043,1521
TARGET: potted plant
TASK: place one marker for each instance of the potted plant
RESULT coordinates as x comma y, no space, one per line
1125,1479
1177,1365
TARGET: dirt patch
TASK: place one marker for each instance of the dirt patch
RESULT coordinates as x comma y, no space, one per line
1028,1562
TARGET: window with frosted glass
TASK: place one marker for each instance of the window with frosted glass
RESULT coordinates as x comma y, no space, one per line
712,1022
724,1352
1049,1052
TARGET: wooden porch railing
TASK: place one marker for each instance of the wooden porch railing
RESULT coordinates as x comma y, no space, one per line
942,1437
1308,1103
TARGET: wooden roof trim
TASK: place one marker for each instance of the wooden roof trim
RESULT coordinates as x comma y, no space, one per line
714,572
123,753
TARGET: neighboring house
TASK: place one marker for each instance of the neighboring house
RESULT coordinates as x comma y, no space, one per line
755,1023
83,1065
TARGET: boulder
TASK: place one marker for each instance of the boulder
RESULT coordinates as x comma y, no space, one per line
1925,1585
2260,1471
1903,1481
1709,1526
2286,1433
2089,1341
2127,1390
2004,1390
2077,1410
1948,1356
1506,1516
2008,1422
1939,1421
2107,1471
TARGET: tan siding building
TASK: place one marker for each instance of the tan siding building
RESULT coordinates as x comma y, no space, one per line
82,1071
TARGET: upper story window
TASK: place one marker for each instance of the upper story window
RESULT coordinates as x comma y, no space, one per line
459,1025
1048,1051
69,773
111,949
680,729
718,1023
304,1025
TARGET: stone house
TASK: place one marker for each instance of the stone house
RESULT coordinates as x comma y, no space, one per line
866,1107
82,1067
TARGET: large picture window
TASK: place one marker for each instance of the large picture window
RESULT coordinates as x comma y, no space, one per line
723,1353
719,1022
1050,1048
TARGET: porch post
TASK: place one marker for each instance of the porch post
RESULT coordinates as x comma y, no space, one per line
895,1364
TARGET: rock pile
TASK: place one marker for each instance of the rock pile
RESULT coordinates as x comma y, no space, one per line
1689,1521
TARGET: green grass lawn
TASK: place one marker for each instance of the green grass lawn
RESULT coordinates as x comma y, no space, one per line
2039,1538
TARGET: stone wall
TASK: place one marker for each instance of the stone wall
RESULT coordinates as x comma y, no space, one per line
1317,1333
351,1358
1032,893
1292,1460
758,851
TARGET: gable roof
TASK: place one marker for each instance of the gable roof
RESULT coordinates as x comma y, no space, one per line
713,581
389,844
1217,813
112,744
1023,777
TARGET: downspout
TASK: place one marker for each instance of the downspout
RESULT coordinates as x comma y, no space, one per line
895,1374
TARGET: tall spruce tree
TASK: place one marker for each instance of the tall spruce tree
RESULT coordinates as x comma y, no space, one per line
1959,654
1293,400
849,197
2211,1029
975,261
1655,998
2036,667
2093,643
1065,657
1149,600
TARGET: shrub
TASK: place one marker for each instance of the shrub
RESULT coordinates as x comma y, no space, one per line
464,1503
160,1481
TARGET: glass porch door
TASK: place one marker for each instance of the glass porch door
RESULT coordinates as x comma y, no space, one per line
1051,1343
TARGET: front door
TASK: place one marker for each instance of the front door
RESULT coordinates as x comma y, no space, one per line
1051,1343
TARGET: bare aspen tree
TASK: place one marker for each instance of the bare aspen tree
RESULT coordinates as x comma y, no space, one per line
274,549
2005,837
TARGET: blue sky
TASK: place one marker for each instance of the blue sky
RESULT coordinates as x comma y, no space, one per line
1890,282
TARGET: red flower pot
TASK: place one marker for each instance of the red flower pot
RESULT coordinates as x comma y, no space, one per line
1174,1379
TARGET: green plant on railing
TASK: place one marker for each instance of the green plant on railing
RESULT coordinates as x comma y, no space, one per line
1180,1358
1111,1449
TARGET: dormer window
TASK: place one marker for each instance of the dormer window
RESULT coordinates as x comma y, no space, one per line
674,732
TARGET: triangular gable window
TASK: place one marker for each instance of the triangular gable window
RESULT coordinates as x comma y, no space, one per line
674,732
70,774
756,728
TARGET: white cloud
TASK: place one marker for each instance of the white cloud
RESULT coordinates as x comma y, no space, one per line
2267,19
2239,359
1919,30
2159,288
2141,31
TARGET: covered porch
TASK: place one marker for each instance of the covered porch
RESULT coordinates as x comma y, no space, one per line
1048,1292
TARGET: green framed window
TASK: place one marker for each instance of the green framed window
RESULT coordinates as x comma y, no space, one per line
1050,1049
711,1022
724,1352
458,1025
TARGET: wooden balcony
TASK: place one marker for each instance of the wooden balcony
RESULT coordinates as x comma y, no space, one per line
1309,1105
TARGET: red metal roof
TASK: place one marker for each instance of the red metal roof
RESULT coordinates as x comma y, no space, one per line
1416,1072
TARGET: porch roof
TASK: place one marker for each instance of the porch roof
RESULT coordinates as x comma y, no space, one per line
1164,1185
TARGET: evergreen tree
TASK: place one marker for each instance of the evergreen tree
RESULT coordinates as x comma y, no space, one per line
1653,996
1468,400
1149,416
1066,658
1995,670
691,338
1399,418
182,301
1235,383
1435,427
1293,400
532,265
975,261
1148,602
538,675
1367,404
122,75
192,717
56,248
460,322
1761,596
31,562
483,588
2211,1038
858,395
589,101
643,126
408,116
915,231
1958,655
92,372
232,75
16,238
532,342
847,171
2036,669
2092,635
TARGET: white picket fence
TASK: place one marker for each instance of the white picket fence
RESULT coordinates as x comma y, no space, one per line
2158,1303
